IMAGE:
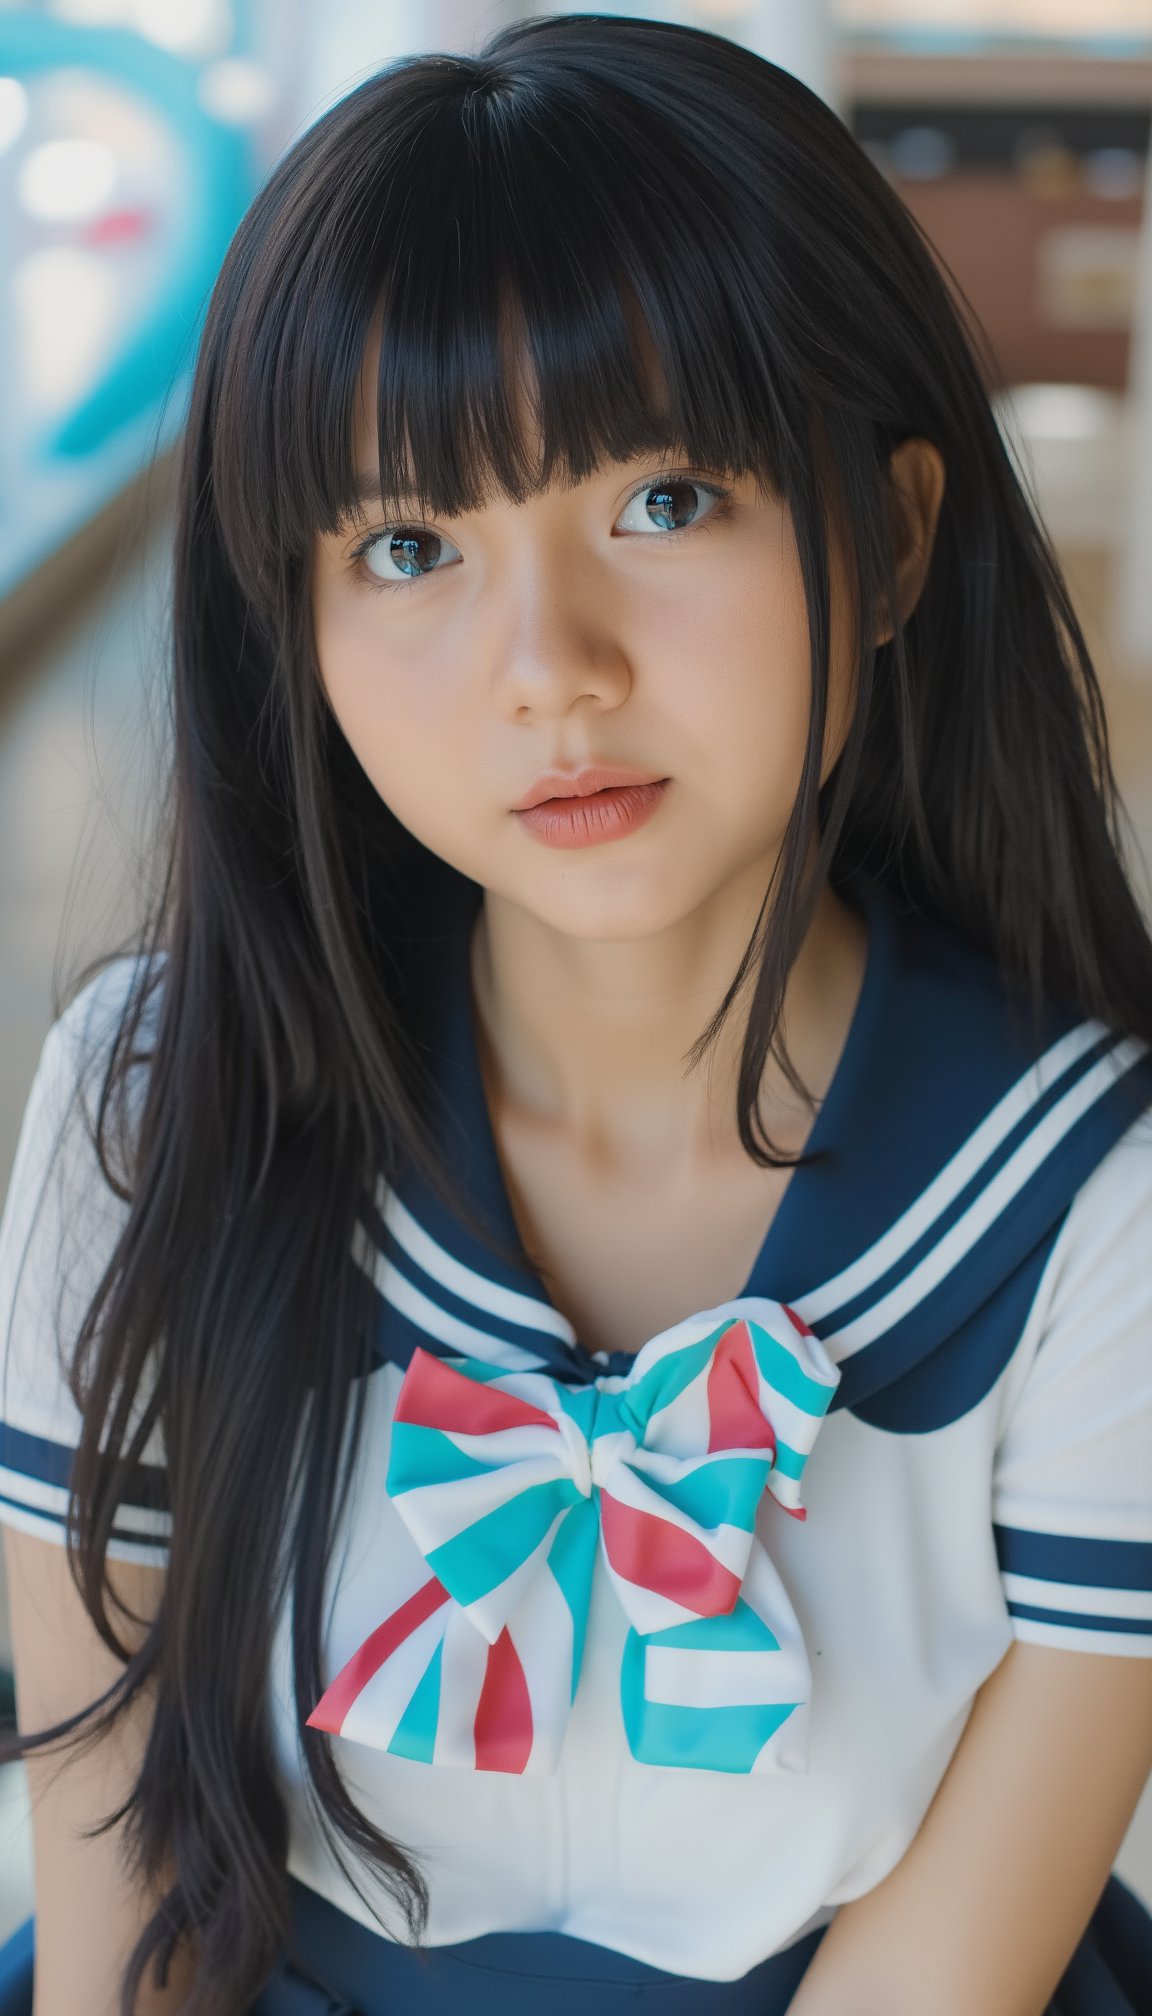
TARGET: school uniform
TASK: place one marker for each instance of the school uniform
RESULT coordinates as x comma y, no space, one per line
652,1661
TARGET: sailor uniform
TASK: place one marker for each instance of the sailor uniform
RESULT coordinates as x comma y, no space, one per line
653,1660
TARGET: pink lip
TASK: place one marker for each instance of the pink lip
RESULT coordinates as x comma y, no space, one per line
563,784
595,817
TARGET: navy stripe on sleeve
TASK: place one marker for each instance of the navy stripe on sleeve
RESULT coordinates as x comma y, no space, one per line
1058,1557
1079,1620
51,1463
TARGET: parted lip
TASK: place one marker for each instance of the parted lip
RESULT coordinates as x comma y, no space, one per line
581,783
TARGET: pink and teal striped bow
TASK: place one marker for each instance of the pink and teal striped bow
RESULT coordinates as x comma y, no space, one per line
511,1484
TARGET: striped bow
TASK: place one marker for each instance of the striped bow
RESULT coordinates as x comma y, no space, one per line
510,1482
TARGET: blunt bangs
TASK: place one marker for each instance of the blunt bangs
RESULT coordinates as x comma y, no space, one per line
490,238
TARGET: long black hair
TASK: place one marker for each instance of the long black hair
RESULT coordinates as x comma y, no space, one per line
611,184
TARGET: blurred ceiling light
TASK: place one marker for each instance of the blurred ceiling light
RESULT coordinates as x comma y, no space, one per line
65,303
77,104
922,153
63,179
13,111
1115,172
194,28
1045,163
235,91
1061,412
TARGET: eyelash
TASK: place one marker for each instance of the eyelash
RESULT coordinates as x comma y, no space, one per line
720,511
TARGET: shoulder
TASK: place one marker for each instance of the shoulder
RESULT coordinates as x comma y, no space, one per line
1118,1194
60,1206
80,1040
77,1050
954,1015
961,1137
1072,1503
62,1216
977,1079
1098,1282
1030,1106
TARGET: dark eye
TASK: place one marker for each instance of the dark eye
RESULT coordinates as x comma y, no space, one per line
403,553
671,504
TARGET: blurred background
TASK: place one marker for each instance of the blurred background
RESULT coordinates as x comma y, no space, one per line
133,135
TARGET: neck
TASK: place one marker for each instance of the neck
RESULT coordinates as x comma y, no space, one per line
587,1039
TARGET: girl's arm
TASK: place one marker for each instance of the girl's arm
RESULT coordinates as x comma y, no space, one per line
88,1917
987,1905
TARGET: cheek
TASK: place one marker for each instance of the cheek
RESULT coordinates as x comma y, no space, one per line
742,691
394,714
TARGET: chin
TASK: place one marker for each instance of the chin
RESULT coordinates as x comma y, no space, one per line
615,906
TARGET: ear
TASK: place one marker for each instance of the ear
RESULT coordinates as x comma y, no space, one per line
916,470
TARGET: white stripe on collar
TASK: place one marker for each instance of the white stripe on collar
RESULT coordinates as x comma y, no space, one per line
527,1311
970,1228
434,1321
970,1157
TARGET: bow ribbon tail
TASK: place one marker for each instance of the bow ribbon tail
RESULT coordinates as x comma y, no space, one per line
427,1685
723,1693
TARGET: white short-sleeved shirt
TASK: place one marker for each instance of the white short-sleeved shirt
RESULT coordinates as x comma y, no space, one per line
969,1250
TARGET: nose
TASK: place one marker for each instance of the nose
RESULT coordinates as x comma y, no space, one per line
556,644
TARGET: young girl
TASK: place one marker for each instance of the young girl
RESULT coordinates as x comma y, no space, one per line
580,1299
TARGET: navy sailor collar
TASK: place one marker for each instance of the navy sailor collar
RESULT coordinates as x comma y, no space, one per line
938,1171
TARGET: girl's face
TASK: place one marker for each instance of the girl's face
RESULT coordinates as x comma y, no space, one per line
464,658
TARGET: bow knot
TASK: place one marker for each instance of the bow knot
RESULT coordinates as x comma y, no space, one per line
512,1484
592,1462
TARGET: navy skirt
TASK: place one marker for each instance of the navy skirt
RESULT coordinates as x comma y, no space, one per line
342,1969
339,1968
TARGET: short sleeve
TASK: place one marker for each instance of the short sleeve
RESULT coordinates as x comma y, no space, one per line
1072,1488
58,1230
